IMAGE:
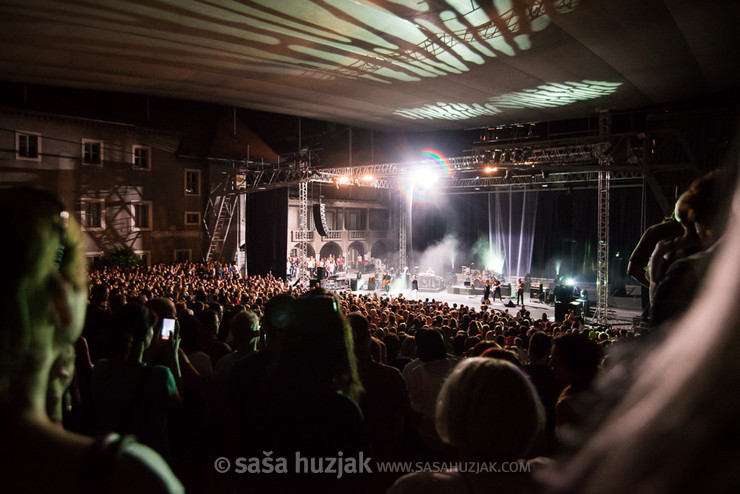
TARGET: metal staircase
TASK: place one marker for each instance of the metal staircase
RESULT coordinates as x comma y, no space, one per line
217,218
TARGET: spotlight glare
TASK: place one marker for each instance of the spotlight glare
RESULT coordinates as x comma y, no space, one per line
570,281
367,178
494,262
423,178
490,169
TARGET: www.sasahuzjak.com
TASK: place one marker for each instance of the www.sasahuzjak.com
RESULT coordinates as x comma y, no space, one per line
341,465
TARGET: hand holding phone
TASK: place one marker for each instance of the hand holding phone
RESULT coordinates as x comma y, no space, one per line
168,328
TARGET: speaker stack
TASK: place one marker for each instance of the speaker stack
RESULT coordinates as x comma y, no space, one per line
319,219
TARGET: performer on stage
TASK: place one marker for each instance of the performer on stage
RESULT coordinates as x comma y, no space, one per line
520,292
497,289
414,287
487,292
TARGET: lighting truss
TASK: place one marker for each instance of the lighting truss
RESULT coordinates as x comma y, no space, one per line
555,161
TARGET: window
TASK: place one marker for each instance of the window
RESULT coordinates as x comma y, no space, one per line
93,214
93,258
28,146
192,182
192,218
182,255
378,219
331,220
355,219
142,215
92,152
142,157
146,257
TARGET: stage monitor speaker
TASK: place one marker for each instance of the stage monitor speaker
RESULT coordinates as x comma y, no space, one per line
321,273
509,304
561,310
319,219
564,216
353,284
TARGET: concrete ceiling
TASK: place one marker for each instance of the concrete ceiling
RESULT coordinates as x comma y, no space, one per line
380,64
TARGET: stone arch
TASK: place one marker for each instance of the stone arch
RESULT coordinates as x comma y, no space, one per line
330,248
354,252
379,251
297,248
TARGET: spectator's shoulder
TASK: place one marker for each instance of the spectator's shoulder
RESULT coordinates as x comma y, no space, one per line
140,469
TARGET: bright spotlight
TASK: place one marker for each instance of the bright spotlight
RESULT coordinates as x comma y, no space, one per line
490,169
423,178
494,262
570,281
343,181
367,178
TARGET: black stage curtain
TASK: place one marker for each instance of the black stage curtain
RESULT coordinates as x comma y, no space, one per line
267,229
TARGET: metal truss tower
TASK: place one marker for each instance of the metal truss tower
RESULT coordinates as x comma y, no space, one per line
303,227
602,253
402,261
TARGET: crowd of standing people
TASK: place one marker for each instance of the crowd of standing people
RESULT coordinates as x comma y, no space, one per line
200,363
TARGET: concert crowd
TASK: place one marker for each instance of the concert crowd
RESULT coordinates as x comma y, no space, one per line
173,377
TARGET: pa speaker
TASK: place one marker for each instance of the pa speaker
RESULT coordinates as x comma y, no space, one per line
564,216
319,219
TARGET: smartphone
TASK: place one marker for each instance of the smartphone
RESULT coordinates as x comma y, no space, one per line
168,328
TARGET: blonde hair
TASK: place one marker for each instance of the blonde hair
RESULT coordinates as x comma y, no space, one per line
42,249
489,409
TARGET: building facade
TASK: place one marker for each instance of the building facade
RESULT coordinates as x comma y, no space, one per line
124,183
148,189
357,230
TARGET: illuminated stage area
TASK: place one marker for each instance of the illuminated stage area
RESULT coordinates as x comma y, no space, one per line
623,309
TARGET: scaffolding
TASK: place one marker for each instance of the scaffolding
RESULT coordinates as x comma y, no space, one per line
218,215
604,159
303,230
602,254
402,260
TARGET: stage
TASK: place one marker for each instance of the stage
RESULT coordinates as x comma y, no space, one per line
622,310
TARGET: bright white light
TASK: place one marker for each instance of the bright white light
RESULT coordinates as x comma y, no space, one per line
570,281
423,178
494,262
367,178
557,266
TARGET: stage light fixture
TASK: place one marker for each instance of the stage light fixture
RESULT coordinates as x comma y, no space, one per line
490,169
424,178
